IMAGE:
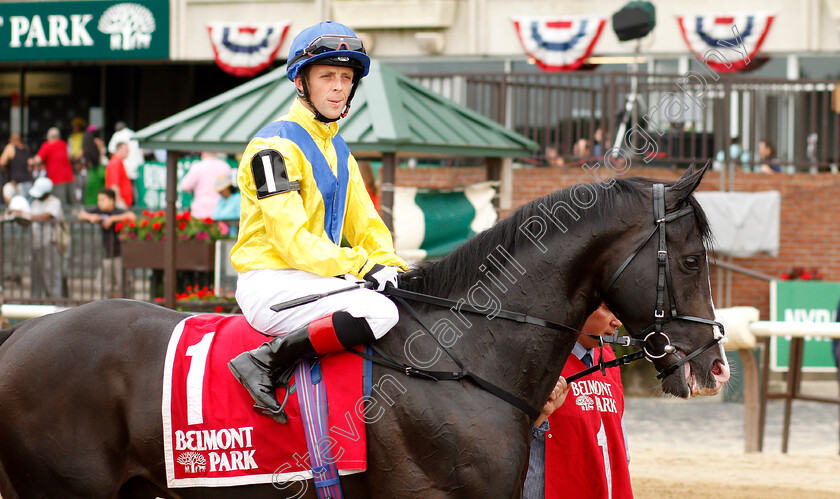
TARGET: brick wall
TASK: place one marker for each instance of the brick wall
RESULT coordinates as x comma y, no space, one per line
439,177
809,227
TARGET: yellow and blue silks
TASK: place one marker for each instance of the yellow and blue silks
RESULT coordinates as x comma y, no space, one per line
303,229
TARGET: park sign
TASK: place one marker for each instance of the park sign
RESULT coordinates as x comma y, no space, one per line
151,183
84,30
803,301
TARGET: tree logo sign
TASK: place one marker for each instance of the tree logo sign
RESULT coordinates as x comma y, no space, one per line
130,25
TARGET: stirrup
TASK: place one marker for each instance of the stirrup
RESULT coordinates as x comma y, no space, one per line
278,415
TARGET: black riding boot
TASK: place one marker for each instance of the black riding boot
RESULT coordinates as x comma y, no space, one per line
257,368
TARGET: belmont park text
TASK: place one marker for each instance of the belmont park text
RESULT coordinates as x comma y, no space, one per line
226,439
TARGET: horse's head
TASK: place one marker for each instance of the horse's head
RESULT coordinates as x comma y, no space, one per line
659,287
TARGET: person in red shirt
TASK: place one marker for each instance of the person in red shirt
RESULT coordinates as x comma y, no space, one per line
52,157
116,178
578,445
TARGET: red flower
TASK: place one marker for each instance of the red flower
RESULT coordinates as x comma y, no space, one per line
785,276
182,225
119,226
147,213
144,222
219,309
156,225
207,220
131,224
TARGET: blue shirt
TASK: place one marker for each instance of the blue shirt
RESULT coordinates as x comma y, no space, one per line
228,208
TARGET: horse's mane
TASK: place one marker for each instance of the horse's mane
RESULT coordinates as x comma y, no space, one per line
461,267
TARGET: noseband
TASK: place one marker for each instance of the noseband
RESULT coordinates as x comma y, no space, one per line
663,282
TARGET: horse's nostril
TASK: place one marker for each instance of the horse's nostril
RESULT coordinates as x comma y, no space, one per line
717,370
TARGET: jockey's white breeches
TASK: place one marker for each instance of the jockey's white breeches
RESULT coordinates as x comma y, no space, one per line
258,290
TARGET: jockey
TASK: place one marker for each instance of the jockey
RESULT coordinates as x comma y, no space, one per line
301,194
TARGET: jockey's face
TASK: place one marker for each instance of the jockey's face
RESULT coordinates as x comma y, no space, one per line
602,322
329,88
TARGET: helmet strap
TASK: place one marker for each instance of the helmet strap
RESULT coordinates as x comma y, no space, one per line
318,116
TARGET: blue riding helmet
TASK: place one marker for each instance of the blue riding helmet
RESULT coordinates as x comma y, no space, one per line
331,43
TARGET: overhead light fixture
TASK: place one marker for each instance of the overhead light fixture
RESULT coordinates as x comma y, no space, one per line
634,20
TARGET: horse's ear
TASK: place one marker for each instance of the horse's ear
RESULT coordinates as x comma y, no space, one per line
677,193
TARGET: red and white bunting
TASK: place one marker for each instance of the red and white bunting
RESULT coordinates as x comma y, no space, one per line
559,43
706,32
245,49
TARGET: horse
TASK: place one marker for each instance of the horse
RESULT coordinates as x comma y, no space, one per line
80,390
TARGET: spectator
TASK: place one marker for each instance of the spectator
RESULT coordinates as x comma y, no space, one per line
45,212
53,156
768,163
10,190
134,159
94,159
74,150
74,141
116,178
17,209
227,208
584,435
107,215
201,181
582,149
598,144
552,156
15,159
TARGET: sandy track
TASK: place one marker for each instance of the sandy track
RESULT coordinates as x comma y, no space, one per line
694,450
683,475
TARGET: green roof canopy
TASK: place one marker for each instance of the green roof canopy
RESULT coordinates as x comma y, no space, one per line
403,117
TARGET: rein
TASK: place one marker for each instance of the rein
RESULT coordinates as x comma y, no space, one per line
664,282
401,295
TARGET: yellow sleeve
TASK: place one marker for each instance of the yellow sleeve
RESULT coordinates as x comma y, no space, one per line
363,226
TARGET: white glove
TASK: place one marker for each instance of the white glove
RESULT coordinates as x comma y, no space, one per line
380,276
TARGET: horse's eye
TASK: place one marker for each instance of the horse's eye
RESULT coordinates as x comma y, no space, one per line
692,262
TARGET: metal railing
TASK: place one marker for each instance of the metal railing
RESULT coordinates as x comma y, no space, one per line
34,272
687,118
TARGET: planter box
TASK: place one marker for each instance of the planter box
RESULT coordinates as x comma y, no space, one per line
149,255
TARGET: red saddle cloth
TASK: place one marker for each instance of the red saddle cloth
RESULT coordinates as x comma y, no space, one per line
212,435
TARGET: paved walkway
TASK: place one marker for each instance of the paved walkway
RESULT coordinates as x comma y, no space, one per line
711,425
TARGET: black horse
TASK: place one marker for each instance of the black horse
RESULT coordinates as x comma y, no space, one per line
80,391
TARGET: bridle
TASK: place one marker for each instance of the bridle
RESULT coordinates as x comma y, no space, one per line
665,282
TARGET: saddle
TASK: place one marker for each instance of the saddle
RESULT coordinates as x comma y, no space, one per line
212,436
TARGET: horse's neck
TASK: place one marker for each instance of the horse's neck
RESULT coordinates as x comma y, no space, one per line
558,285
